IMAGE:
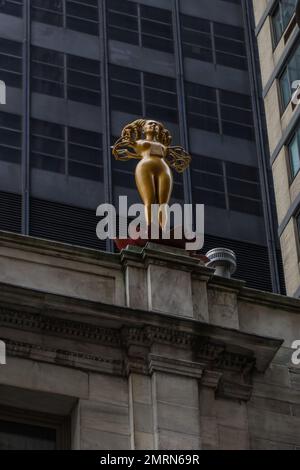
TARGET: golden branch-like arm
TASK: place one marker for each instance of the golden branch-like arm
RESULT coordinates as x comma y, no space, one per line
125,150
178,158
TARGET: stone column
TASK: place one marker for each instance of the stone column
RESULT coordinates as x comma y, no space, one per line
166,280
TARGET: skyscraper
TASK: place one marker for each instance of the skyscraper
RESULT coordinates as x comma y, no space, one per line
78,71
278,40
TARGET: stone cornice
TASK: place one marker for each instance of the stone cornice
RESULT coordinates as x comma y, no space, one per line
45,324
269,299
63,357
221,358
57,249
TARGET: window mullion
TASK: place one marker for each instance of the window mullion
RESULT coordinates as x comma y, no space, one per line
139,25
143,94
66,145
219,111
213,42
64,13
225,185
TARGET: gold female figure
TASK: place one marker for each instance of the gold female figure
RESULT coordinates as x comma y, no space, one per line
149,142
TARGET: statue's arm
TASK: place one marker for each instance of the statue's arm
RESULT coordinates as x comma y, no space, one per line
178,158
125,150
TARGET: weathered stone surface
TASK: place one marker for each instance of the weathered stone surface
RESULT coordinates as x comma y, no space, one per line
178,418
233,438
169,440
92,439
200,300
274,426
141,388
42,377
143,418
209,433
295,410
108,389
136,287
276,374
144,441
177,390
269,404
104,417
231,414
223,310
170,291
137,376
295,379
263,444
36,268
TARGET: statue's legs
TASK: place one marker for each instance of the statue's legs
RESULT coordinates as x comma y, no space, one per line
165,186
144,178
154,181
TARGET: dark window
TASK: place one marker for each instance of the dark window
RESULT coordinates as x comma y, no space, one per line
202,107
281,17
20,436
49,69
208,181
78,15
29,430
196,38
227,185
83,77
11,7
83,16
289,75
66,150
236,115
138,24
143,93
156,28
294,154
48,11
230,46
219,111
11,62
243,188
213,42
10,137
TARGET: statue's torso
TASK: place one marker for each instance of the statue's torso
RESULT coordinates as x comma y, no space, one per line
151,149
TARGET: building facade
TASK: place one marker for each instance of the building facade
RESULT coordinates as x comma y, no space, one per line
146,349
78,71
278,40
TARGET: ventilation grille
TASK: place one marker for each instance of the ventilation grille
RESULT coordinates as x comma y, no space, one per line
281,273
10,212
253,264
64,223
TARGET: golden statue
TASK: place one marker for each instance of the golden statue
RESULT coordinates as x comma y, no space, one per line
149,142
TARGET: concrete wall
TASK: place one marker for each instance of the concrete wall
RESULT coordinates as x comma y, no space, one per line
181,360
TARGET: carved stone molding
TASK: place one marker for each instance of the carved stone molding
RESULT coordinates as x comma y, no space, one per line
221,358
58,326
175,366
76,359
211,379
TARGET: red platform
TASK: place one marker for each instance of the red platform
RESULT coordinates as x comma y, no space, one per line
121,244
